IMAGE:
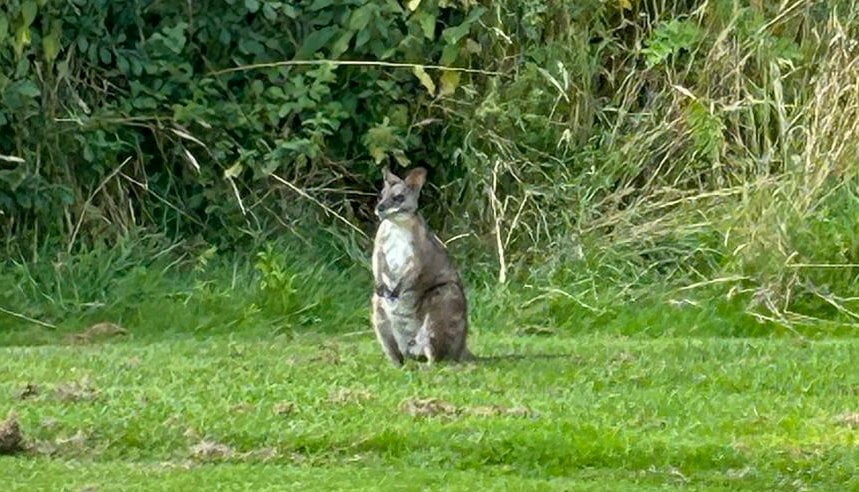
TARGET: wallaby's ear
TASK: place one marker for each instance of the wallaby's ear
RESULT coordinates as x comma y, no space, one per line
389,177
416,178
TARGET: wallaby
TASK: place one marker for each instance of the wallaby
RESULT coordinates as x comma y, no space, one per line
419,306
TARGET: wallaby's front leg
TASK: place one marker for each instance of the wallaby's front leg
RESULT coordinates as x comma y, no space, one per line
407,280
384,333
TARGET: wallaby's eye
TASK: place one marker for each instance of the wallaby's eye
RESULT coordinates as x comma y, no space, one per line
398,199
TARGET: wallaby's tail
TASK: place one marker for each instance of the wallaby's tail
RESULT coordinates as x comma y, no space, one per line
467,356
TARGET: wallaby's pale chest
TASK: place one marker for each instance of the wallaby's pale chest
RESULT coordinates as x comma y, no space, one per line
397,249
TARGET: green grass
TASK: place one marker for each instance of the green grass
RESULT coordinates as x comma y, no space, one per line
326,412
263,374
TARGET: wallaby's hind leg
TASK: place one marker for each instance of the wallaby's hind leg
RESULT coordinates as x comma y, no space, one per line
424,340
445,323
384,333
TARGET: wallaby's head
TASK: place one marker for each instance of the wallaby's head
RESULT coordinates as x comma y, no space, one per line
400,196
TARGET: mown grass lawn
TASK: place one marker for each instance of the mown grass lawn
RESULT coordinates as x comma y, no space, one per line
314,412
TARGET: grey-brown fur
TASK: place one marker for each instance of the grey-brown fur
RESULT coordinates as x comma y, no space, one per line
419,305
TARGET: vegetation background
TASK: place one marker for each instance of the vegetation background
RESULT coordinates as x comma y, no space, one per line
645,168
582,150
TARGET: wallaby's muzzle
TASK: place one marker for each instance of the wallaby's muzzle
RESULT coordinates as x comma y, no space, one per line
390,206
382,210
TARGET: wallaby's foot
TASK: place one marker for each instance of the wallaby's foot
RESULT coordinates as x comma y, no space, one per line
389,346
430,355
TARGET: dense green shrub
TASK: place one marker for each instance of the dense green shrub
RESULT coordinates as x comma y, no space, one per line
89,84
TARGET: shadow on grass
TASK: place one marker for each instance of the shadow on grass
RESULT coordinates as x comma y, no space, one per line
502,358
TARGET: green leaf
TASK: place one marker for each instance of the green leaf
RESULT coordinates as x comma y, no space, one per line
425,79
275,92
251,47
362,38
63,69
449,82
122,64
289,11
381,139
4,28
449,54
342,44
475,14
427,22
26,88
257,87
13,178
453,34
413,5
28,12
22,68
268,12
315,41
472,46
252,5
361,16
104,55
225,37
22,39
668,39
136,67
319,5
51,46
145,103
233,171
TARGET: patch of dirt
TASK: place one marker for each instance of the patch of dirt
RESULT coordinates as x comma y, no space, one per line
535,331
75,444
183,465
243,407
263,454
343,396
211,450
285,408
75,391
499,410
49,423
329,353
432,407
191,433
428,407
741,447
849,419
11,437
739,473
624,357
98,332
207,450
30,390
